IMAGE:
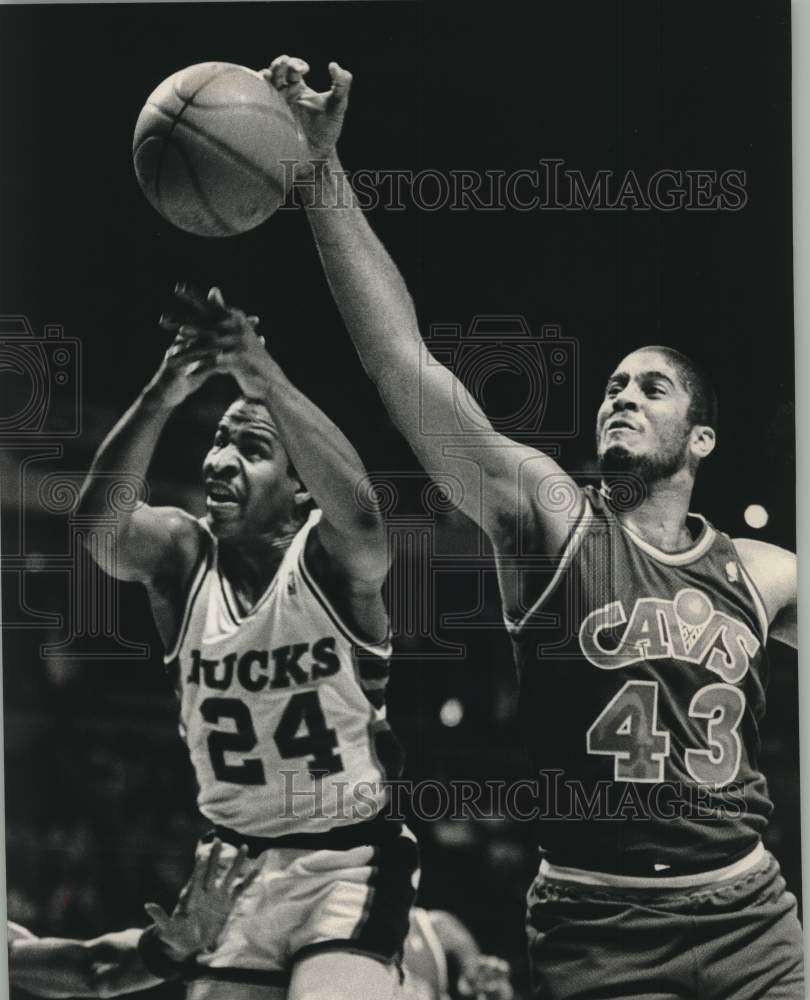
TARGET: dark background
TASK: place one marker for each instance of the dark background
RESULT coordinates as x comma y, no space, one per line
99,796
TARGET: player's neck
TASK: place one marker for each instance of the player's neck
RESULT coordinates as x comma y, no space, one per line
660,519
251,563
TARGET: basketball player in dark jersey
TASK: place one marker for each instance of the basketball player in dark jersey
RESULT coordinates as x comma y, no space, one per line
641,709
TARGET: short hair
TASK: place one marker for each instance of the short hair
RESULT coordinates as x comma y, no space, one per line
703,405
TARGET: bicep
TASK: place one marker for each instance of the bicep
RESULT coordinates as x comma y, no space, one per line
146,544
785,626
774,573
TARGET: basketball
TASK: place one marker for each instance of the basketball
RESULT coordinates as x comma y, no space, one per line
210,147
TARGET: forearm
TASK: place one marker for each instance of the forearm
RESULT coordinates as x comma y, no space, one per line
323,457
127,449
368,289
379,314
61,967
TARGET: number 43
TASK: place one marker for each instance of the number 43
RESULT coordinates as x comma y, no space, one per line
627,730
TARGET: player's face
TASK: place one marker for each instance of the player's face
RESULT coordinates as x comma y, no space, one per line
642,425
248,488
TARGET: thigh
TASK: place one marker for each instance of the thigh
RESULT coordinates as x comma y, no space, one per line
758,954
586,945
218,989
341,975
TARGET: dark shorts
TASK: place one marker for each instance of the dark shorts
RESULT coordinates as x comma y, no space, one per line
736,940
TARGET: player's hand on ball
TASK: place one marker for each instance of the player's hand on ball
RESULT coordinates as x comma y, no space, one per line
204,904
319,116
489,981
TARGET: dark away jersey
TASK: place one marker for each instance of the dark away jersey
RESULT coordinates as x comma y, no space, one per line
643,677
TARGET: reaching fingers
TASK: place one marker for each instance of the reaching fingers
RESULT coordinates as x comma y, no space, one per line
215,298
221,338
191,297
180,354
196,883
159,916
341,84
209,878
207,307
240,886
286,71
236,869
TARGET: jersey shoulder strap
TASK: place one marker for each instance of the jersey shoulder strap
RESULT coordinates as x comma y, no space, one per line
205,562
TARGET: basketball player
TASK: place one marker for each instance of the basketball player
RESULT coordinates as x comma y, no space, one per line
127,961
442,959
274,628
641,711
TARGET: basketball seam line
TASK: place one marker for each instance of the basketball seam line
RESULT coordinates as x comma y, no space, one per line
177,117
223,224
248,165
175,120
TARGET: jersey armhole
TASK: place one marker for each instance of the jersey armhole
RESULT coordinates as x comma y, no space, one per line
198,575
382,649
753,590
514,625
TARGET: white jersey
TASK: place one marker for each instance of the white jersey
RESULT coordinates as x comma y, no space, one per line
281,707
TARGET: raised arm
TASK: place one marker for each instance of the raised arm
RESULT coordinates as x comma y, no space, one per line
151,542
351,529
504,484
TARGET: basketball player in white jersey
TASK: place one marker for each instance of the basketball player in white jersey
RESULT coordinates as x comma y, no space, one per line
277,637
136,959
642,657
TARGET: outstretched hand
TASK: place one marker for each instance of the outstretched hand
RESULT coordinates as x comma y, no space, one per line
490,980
204,904
319,115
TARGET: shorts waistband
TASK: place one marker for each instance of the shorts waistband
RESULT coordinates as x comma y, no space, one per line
371,833
581,877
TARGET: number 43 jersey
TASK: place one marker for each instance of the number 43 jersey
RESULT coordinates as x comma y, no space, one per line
282,708
642,678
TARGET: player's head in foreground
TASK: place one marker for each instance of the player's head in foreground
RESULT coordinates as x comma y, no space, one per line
658,418
251,486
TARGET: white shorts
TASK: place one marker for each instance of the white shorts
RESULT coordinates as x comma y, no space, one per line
304,901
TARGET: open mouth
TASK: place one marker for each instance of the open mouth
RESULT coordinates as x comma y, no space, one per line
620,425
220,495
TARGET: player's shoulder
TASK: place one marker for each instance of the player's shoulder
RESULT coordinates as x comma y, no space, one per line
186,539
772,568
764,557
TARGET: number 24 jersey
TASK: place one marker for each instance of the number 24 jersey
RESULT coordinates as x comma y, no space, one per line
282,708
